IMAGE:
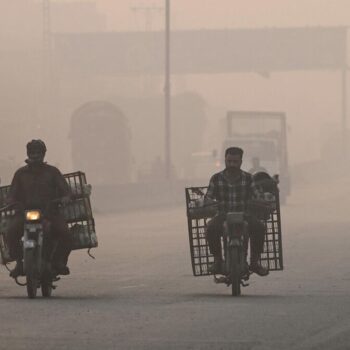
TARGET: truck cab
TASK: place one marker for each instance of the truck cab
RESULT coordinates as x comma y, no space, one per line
263,137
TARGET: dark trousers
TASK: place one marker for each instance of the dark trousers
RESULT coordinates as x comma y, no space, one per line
58,229
256,234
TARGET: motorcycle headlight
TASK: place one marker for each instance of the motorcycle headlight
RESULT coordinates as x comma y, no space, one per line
33,215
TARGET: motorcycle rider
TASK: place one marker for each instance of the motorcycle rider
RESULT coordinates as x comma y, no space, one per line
232,188
36,185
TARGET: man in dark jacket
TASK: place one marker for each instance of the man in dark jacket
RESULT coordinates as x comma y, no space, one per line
36,186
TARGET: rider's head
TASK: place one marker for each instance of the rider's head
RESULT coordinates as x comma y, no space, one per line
233,158
36,150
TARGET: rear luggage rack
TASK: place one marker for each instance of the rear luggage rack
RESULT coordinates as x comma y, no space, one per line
78,212
200,254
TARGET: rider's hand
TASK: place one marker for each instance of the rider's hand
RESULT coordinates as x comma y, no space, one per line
87,189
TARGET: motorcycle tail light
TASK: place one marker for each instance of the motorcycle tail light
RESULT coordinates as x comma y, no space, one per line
33,215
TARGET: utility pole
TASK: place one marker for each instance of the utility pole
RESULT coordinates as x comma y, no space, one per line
167,93
47,49
344,130
149,12
344,88
49,111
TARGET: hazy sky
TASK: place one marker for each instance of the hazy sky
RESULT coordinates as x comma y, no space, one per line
232,13
311,99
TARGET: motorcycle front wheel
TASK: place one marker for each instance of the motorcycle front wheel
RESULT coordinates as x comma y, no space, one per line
46,288
235,271
31,273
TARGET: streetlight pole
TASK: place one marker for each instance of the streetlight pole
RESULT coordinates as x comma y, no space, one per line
47,47
167,91
344,126
344,113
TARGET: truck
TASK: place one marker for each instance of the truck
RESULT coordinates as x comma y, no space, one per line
263,136
100,138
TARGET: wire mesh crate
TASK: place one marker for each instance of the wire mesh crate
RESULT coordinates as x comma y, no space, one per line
78,213
4,191
197,223
197,220
6,217
272,256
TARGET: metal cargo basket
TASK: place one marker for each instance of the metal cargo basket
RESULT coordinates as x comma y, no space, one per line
197,220
78,213
6,216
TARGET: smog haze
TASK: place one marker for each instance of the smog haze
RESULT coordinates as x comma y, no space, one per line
43,99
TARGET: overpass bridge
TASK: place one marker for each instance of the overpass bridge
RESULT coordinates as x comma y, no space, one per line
203,51
208,52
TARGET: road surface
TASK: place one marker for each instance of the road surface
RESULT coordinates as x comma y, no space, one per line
139,293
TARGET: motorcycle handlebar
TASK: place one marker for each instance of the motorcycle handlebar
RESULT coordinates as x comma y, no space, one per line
12,206
9,207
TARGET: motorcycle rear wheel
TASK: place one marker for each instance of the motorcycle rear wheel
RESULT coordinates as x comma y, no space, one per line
235,271
31,274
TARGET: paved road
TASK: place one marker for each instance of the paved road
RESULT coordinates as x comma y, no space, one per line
139,292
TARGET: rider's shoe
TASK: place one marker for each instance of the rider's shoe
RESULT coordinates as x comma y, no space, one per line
18,270
215,267
245,270
64,270
258,269
61,269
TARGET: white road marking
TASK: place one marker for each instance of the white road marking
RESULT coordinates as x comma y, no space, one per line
134,286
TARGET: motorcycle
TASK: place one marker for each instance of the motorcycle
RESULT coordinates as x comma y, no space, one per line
39,248
235,238
234,269
39,244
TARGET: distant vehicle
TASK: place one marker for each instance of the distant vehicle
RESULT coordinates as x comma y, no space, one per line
202,165
261,135
101,143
